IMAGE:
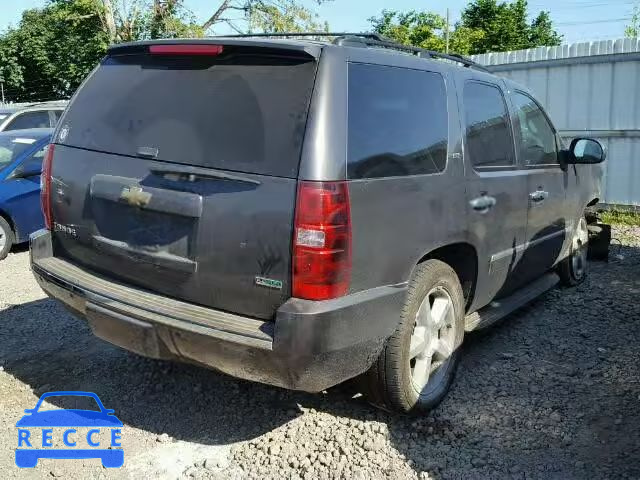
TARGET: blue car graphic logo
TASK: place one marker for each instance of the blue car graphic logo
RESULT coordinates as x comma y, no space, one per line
36,432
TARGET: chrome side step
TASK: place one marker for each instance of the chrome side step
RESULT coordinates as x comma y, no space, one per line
499,309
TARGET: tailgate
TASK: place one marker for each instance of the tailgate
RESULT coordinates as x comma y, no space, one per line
178,175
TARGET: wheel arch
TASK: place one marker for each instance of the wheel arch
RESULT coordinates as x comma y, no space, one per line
462,257
9,220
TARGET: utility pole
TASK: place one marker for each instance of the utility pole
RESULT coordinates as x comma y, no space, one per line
2,87
446,34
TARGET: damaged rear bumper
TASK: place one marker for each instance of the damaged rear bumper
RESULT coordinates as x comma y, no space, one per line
309,345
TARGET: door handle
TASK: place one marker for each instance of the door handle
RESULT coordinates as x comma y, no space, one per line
483,203
538,196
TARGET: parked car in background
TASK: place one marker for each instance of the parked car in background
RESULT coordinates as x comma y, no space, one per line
21,155
30,115
300,213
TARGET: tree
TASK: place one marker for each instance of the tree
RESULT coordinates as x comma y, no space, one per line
486,25
505,26
147,19
266,16
52,50
633,29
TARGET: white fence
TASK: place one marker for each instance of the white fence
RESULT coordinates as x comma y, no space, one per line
589,89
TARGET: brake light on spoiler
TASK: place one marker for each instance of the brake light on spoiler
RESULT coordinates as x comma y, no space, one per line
186,49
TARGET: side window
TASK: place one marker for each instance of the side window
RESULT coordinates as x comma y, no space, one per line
39,119
398,122
489,142
537,143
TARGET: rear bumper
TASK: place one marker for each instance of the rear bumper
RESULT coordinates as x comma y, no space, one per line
309,346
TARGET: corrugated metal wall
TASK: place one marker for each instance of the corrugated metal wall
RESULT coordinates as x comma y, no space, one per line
590,89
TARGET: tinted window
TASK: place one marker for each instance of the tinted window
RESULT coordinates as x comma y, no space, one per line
397,122
537,140
38,119
489,142
237,112
12,146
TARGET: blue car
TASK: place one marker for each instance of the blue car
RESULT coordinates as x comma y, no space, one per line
27,453
21,155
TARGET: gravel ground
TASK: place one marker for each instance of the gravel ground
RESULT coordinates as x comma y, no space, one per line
552,392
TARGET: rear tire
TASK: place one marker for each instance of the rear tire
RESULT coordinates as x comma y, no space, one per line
6,238
418,363
574,269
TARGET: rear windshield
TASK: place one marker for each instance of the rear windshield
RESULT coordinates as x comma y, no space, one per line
244,113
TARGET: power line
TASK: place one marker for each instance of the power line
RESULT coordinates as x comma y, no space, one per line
611,20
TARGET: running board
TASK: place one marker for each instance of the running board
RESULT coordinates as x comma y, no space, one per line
499,309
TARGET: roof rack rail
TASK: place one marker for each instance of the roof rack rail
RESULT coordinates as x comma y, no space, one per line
421,52
373,36
370,39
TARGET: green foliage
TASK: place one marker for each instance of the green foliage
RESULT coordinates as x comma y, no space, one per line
275,16
283,16
633,29
486,25
52,50
505,26
620,217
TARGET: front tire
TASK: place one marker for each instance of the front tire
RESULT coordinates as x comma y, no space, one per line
418,363
6,238
574,269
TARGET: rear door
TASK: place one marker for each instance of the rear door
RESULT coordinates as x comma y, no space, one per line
546,185
176,172
496,188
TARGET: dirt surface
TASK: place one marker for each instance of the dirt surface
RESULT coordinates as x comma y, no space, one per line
552,392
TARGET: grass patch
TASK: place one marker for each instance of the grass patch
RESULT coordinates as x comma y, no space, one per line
620,217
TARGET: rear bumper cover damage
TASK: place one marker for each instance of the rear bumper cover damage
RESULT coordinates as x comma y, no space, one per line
309,345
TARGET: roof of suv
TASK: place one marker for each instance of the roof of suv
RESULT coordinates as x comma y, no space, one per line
310,44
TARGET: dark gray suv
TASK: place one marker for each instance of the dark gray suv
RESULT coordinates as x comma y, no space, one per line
300,213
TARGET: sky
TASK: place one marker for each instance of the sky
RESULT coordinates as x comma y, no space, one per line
577,20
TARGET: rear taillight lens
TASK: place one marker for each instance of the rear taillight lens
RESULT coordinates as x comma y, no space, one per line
45,188
322,241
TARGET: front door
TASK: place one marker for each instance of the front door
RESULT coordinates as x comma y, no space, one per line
547,223
496,189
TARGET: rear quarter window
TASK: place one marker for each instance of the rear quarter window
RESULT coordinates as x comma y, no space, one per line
398,122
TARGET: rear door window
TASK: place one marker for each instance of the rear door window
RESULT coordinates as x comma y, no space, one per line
236,112
39,119
398,122
488,133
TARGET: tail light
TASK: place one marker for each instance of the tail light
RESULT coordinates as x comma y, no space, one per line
322,241
45,188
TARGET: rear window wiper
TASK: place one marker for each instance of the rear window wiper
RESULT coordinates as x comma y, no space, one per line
193,173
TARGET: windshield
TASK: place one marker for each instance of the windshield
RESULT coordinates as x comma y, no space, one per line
11,146
244,113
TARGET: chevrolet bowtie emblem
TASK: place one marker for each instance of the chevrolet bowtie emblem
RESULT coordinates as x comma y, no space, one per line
135,196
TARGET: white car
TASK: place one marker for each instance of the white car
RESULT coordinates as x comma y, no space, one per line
32,115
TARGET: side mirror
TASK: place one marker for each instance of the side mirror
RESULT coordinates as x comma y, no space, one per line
585,151
26,170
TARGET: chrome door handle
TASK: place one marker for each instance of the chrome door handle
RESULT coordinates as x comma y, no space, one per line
538,196
483,204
